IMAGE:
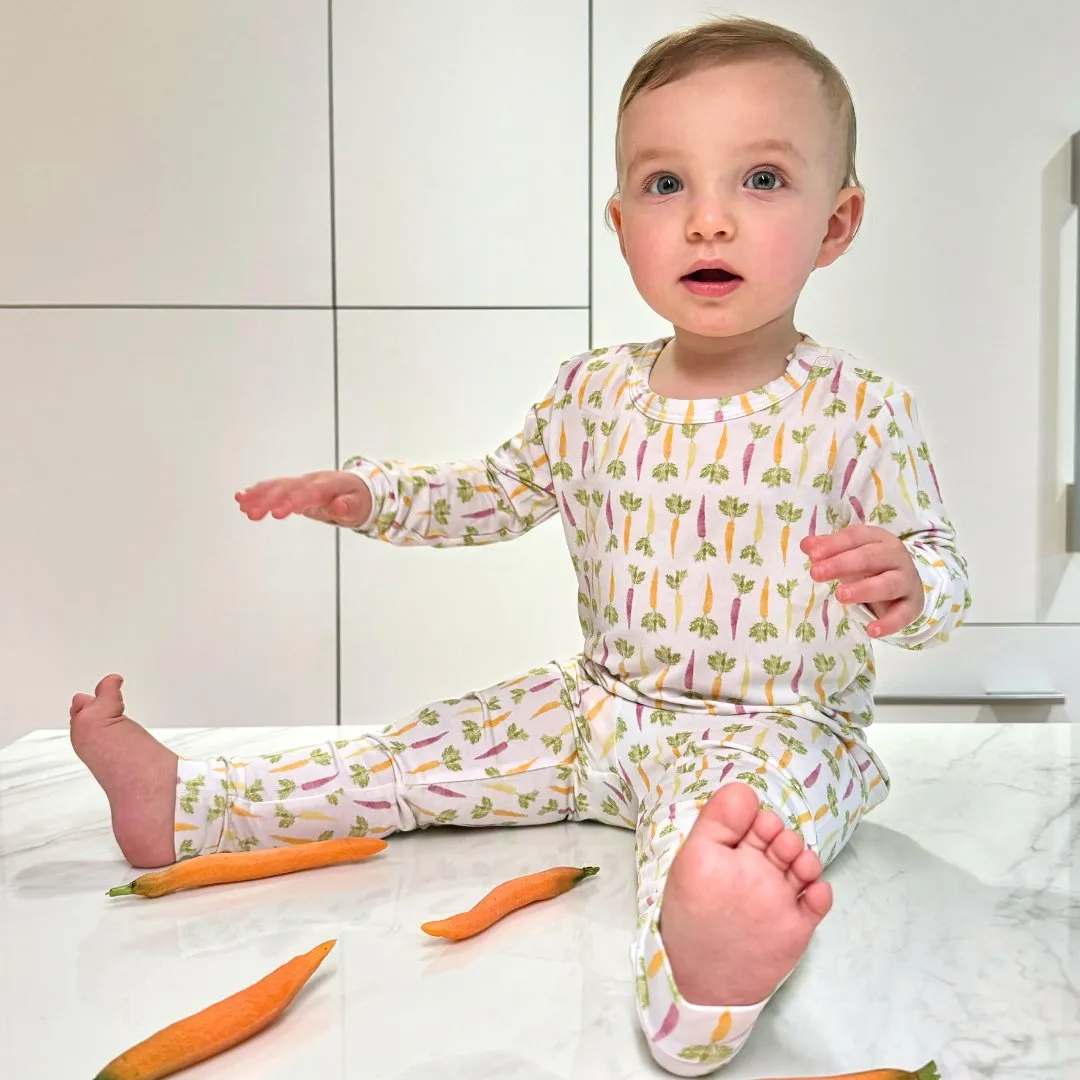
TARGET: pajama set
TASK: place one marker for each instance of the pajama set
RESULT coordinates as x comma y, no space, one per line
709,656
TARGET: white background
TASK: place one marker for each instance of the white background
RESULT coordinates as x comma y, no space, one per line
244,238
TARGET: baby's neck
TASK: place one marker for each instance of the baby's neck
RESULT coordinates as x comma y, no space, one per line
691,366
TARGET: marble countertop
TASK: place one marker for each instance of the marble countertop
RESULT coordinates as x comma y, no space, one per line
955,935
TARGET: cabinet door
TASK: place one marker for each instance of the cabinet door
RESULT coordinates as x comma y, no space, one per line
959,283
461,153
124,435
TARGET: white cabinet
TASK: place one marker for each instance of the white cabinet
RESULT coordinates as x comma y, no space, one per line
961,282
164,153
461,153
420,623
123,437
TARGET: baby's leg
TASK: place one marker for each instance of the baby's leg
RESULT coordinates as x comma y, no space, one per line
504,755
743,896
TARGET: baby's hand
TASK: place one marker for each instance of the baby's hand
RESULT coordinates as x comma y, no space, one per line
338,498
874,568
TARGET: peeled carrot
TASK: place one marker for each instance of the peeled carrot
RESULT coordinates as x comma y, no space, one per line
508,897
927,1072
228,866
220,1026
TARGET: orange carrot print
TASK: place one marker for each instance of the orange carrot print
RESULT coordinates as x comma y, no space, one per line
220,1026
927,1072
508,897
225,867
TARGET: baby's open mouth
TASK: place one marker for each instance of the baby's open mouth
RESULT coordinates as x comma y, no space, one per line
712,275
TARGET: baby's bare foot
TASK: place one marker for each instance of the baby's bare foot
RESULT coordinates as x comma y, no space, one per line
742,901
136,771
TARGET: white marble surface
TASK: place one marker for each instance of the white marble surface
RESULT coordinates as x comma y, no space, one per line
955,935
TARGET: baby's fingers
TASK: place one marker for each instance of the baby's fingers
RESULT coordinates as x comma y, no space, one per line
899,615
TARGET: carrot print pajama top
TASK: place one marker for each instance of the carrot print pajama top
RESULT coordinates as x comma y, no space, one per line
709,654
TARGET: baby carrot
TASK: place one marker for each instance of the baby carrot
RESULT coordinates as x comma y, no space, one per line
228,866
927,1072
508,897
220,1026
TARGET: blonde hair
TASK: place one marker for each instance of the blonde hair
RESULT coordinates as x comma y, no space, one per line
724,41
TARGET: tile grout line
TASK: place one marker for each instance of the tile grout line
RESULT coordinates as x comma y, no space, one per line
294,307
589,185
336,374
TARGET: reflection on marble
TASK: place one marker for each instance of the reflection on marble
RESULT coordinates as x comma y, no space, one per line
955,935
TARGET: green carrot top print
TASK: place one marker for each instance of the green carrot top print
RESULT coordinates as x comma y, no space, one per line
684,521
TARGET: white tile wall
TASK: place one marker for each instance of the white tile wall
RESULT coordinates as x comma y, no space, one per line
461,152
122,548
164,153
179,155
419,624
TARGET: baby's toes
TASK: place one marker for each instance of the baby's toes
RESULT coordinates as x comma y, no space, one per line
786,848
804,870
816,902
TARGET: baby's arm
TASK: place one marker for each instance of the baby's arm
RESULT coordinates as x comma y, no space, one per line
894,486
479,501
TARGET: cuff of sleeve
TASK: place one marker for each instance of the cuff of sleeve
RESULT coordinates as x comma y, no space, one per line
683,1038
380,488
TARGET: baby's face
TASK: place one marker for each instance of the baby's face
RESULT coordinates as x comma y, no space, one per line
740,164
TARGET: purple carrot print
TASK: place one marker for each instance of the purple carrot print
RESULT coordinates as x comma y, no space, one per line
445,792
610,517
850,785
825,615
428,741
671,812
380,804
569,515
727,768
669,1024
857,507
812,779
629,603
735,605
312,784
864,765
625,776
748,456
933,475
476,514
847,476
497,749
704,739
604,656
640,712
543,685
619,795
813,522
584,455
688,678
641,456
740,710
798,675
572,374
701,519
835,388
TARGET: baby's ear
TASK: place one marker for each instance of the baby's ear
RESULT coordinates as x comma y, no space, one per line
843,225
613,216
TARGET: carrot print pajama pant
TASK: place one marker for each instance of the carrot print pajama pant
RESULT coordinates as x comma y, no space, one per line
552,745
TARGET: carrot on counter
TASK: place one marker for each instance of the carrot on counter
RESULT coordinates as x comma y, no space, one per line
228,866
927,1072
508,897
220,1026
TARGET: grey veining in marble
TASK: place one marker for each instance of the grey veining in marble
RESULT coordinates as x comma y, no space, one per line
955,935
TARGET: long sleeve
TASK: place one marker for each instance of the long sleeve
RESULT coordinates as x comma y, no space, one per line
894,485
480,501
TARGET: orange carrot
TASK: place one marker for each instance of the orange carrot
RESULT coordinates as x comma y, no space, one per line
927,1072
778,446
860,397
729,538
508,897
228,866
220,1026
652,589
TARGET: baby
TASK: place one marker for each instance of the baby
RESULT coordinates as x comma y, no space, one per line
747,511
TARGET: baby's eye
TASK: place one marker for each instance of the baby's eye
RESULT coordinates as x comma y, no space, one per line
665,185
765,180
